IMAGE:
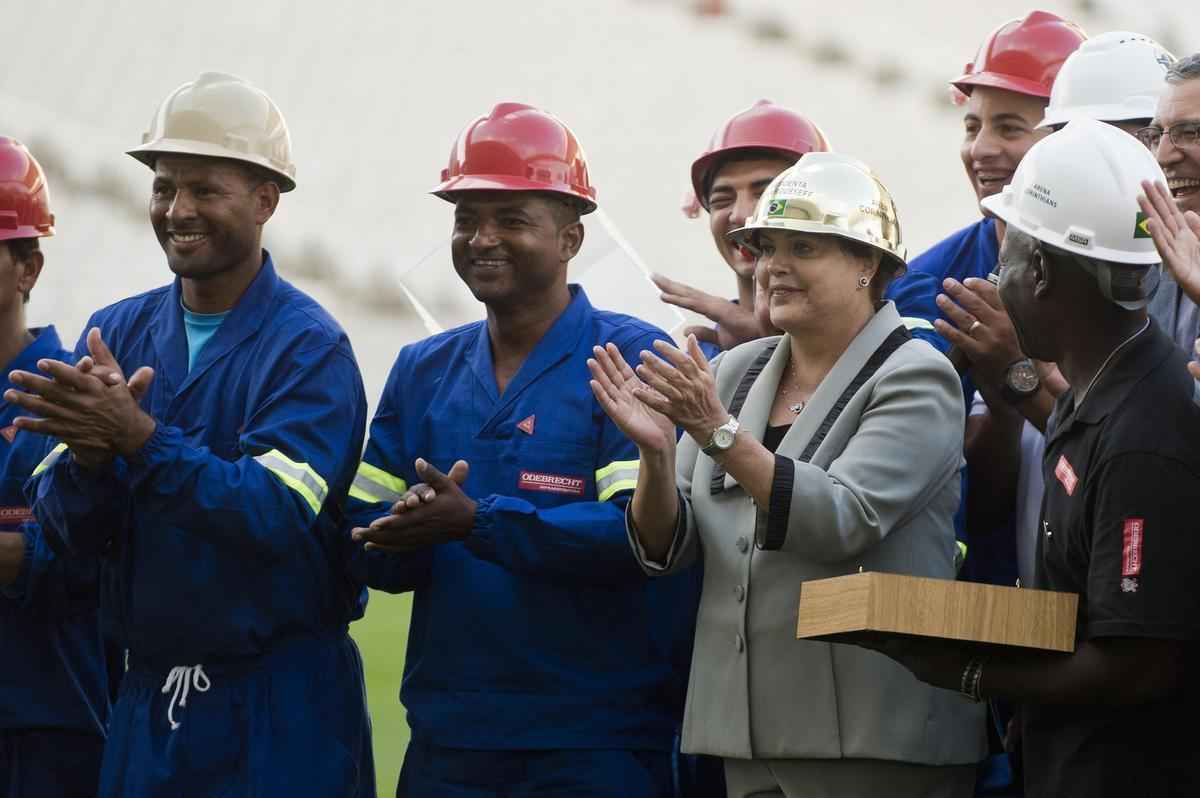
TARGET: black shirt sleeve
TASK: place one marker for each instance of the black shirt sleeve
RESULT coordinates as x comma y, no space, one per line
1144,569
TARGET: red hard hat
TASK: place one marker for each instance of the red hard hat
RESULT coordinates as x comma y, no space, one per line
518,148
24,195
1023,55
763,125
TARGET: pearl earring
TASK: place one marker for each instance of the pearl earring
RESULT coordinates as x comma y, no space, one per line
863,281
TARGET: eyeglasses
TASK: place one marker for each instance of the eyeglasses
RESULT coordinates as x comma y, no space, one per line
1185,134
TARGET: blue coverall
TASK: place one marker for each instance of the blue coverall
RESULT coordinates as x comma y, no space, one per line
221,552
53,689
538,635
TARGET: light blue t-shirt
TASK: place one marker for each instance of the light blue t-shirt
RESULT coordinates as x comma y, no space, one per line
199,328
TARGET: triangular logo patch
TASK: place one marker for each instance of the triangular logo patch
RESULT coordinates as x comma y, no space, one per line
9,433
526,426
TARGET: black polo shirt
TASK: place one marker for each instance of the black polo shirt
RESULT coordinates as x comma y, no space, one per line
1121,527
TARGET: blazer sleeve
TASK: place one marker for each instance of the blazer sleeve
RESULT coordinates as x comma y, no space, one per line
685,548
908,443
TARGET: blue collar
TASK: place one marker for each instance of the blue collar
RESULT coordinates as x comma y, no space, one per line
246,317
558,343
46,344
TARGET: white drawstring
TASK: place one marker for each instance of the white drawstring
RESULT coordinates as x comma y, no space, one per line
183,678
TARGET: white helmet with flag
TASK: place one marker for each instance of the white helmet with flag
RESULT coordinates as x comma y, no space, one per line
1077,191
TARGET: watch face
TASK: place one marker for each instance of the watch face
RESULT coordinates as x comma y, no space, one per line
1022,377
723,438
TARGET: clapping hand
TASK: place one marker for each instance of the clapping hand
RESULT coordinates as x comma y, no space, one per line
89,406
429,513
981,328
621,393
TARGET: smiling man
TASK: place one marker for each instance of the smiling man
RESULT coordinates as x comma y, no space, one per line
1007,88
1174,137
744,155
210,485
537,660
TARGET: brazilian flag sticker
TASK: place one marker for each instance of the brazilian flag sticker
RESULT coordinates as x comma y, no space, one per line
777,207
1140,230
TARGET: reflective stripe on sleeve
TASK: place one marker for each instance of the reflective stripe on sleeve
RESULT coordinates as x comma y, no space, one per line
960,555
373,484
614,477
50,459
914,323
297,476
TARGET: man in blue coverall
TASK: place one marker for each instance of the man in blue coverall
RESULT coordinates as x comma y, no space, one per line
53,687
540,661
1006,89
214,501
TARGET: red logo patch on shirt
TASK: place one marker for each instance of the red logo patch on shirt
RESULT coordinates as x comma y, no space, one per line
1066,475
9,433
15,515
550,483
1131,554
526,426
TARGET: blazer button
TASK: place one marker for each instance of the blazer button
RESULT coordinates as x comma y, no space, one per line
742,544
739,643
740,593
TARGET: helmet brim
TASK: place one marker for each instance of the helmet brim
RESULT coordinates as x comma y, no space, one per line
1002,207
995,80
148,154
744,237
448,189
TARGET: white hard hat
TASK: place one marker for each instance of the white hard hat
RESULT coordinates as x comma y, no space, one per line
218,115
1114,77
1077,190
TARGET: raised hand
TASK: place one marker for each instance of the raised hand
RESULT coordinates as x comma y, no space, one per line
681,387
735,324
447,516
616,388
1176,236
89,414
981,328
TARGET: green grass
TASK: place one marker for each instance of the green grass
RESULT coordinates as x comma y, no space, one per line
381,636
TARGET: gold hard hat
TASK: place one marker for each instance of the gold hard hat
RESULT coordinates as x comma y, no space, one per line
831,193
221,116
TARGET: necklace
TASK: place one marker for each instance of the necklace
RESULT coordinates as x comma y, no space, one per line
795,407
1111,355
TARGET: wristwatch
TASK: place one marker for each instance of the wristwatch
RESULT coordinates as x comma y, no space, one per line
722,438
1020,381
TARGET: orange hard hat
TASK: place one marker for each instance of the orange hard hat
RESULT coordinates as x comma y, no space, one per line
762,126
518,148
24,195
1023,55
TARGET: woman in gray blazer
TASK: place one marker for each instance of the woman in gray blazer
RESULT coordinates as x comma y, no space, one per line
832,448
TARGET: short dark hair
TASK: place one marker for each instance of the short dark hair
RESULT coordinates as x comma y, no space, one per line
566,209
746,154
22,249
1186,68
889,268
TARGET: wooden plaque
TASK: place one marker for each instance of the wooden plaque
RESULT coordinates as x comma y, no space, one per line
840,607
